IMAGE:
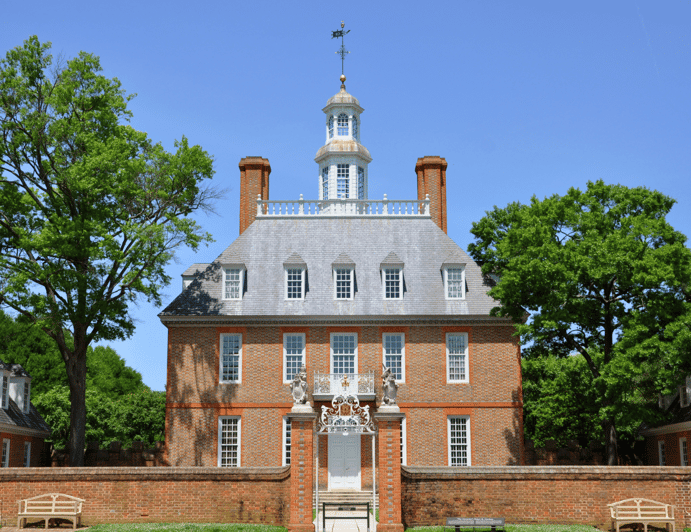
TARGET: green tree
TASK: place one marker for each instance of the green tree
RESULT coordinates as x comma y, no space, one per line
588,270
90,209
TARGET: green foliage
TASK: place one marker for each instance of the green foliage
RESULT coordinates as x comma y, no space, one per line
599,273
91,210
139,416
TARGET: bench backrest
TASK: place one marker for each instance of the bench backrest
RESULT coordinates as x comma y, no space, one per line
51,503
641,508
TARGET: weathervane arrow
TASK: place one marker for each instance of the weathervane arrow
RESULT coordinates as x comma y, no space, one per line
342,52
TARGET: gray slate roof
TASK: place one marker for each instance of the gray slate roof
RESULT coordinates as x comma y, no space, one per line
322,242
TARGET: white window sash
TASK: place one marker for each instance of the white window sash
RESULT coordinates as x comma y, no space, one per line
27,454
402,355
661,453
683,452
465,359
286,377
220,359
355,354
349,278
238,445
240,283
5,453
458,446
301,280
287,443
399,282
404,443
5,391
447,282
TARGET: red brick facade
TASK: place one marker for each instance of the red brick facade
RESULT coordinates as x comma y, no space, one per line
431,179
672,448
17,442
254,181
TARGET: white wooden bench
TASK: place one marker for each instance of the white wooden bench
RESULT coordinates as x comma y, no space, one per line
641,511
50,506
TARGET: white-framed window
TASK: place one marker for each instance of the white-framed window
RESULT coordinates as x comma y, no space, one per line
360,182
27,454
286,440
342,181
5,390
27,397
661,452
393,347
459,441
325,183
231,358
295,282
457,357
5,453
356,132
344,353
343,282
331,127
685,393
393,283
342,125
683,452
454,282
229,441
404,437
233,282
293,355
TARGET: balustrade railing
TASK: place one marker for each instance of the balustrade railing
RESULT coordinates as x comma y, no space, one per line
343,207
344,383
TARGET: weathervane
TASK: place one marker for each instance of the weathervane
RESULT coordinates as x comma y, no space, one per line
342,52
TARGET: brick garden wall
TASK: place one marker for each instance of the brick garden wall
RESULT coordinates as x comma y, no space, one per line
118,495
568,494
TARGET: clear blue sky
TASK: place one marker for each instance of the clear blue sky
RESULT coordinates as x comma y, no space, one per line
521,98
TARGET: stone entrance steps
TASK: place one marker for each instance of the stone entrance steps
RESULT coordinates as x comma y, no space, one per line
345,496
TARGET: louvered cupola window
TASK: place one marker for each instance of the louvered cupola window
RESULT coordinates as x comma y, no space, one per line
360,182
342,125
356,133
331,127
342,180
325,183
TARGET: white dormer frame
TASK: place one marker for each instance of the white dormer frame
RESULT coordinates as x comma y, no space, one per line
685,393
452,272
349,272
292,269
4,389
384,273
233,276
27,396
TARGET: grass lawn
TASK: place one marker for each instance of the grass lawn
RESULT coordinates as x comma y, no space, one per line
516,528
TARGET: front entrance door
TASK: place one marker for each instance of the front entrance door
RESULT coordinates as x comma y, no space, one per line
344,461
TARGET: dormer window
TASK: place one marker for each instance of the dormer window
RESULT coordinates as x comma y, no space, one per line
343,125
356,133
342,180
27,396
454,281
344,283
233,282
331,127
392,276
325,183
295,277
5,390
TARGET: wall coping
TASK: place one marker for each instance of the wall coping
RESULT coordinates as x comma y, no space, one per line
66,474
548,473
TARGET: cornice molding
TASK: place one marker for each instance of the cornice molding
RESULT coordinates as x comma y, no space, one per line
24,431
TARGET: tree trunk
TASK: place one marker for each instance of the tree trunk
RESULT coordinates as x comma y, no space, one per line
76,376
611,442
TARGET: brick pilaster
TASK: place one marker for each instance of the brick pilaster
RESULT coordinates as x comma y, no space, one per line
254,180
431,179
389,464
301,471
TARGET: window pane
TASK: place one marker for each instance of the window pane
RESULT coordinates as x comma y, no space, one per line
393,354
230,351
294,346
331,127
342,125
458,441
325,183
456,348
287,441
454,280
294,283
230,443
232,283
360,182
392,283
343,283
343,349
356,133
342,180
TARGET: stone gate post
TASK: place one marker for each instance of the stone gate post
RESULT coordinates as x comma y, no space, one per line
389,457
301,471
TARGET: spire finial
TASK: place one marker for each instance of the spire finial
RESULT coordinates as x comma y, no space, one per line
342,52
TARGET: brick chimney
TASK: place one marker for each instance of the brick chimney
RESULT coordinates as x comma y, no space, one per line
254,180
431,179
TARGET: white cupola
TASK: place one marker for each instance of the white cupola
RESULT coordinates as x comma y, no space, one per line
343,160
20,388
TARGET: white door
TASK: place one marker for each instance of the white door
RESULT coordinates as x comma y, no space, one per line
344,462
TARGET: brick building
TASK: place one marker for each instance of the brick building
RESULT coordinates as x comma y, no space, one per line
344,285
668,444
22,429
